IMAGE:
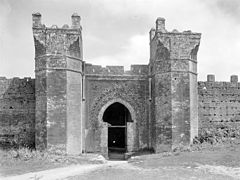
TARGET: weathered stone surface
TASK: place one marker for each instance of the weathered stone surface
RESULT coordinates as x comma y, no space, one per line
219,102
75,131
68,98
17,111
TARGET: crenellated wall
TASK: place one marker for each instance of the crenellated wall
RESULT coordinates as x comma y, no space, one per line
219,102
136,69
17,111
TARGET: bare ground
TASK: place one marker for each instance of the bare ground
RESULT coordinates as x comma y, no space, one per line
212,162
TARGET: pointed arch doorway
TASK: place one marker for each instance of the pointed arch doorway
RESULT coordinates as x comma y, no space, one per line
117,116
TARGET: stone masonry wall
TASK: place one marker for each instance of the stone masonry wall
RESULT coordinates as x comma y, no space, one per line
219,102
120,86
17,111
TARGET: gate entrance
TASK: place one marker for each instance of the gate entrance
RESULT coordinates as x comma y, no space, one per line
117,116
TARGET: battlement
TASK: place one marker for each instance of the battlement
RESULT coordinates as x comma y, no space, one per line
116,70
37,18
160,28
211,83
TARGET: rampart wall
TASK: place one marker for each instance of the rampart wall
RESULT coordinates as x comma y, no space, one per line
17,111
219,102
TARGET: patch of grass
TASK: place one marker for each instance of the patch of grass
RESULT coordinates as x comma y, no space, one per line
218,134
18,161
217,137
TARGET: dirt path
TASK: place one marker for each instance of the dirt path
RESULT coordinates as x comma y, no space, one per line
62,173
125,170
129,171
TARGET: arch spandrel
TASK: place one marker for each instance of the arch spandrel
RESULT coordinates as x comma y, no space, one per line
110,95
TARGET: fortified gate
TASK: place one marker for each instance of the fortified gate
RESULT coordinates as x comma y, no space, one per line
82,107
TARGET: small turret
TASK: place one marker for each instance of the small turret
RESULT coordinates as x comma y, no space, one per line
36,20
210,78
76,21
160,25
234,78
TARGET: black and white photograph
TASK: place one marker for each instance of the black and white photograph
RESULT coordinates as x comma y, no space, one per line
119,89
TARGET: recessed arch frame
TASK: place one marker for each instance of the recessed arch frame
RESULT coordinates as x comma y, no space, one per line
131,126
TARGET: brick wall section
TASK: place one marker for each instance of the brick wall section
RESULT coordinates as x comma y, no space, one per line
17,111
219,102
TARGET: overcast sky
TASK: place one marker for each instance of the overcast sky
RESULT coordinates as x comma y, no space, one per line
115,32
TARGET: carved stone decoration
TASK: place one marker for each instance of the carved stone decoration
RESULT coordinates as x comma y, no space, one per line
194,51
40,36
104,100
72,45
56,41
108,95
71,38
162,52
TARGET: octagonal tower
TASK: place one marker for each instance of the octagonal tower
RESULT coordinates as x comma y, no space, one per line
59,76
173,68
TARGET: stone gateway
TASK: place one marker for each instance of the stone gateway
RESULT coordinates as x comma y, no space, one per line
83,107
79,107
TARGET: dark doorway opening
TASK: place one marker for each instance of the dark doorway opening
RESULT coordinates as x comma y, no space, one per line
117,116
